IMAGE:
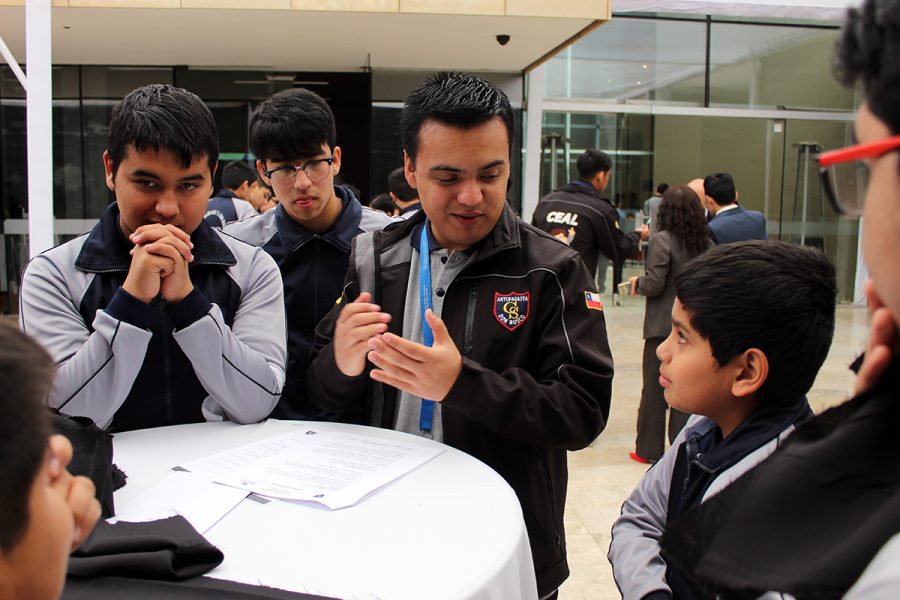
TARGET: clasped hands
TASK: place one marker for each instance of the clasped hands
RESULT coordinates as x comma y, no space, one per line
159,263
361,333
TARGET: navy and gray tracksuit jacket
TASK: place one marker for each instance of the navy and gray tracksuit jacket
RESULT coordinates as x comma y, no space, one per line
312,267
218,354
225,207
698,465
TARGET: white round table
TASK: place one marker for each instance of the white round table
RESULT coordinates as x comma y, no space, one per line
450,529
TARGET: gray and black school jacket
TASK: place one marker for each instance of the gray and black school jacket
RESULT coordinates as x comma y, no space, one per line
217,354
698,465
312,267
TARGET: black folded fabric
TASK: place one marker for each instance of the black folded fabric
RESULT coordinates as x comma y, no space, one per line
168,549
92,456
198,588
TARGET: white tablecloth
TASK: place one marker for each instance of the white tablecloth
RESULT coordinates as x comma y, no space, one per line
451,529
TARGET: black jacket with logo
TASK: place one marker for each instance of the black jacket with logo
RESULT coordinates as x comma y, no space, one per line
526,394
578,215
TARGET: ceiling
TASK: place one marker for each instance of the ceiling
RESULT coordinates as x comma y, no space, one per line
294,40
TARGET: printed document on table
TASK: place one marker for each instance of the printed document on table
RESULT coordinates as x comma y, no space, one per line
334,469
195,498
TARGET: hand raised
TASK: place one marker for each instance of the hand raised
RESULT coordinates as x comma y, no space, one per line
884,343
77,492
358,322
425,372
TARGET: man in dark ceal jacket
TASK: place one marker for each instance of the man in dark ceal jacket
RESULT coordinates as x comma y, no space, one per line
580,216
519,370
309,233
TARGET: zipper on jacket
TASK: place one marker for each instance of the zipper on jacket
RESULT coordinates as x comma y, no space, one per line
470,321
167,368
307,398
546,471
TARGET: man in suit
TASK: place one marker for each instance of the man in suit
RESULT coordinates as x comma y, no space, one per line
730,222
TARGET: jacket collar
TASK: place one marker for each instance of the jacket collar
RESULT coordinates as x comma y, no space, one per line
226,193
107,249
411,208
735,210
580,186
341,232
504,235
709,452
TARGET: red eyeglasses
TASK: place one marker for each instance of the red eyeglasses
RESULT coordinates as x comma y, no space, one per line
844,174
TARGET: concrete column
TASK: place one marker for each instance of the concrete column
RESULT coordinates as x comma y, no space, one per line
534,108
39,125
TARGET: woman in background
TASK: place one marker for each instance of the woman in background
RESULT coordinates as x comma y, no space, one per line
679,235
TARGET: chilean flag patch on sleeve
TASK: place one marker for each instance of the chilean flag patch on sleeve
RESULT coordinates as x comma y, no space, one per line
593,301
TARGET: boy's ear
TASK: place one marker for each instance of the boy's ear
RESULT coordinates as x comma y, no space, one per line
753,369
409,170
107,166
244,188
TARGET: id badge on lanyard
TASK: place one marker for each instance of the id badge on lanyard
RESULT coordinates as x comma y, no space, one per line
426,415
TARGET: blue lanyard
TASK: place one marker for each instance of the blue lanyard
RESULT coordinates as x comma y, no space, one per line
426,416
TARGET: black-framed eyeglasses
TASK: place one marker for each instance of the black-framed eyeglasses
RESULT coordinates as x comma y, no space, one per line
845,175
315,170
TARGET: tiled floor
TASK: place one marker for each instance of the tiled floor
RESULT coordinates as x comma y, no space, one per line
601,476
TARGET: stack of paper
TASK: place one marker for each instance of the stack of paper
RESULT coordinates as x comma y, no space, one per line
333,469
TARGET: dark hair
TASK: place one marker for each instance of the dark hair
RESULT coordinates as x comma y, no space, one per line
720,187
455,99
398,186
290,125
593,161
26,371
680,214
384,203
769,295
868,50
163,117
235,173
661,188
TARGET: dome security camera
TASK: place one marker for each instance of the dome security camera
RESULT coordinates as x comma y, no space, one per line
502,39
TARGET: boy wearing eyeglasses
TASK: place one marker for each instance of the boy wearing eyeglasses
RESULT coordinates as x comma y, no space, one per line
154,318
308,234
821,517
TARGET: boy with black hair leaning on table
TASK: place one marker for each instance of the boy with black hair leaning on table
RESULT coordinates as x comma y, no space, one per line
751,326
153,317
45,512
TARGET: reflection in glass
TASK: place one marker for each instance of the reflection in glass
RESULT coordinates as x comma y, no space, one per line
116,82
96,114
68,187
634,60
625,138
768,66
